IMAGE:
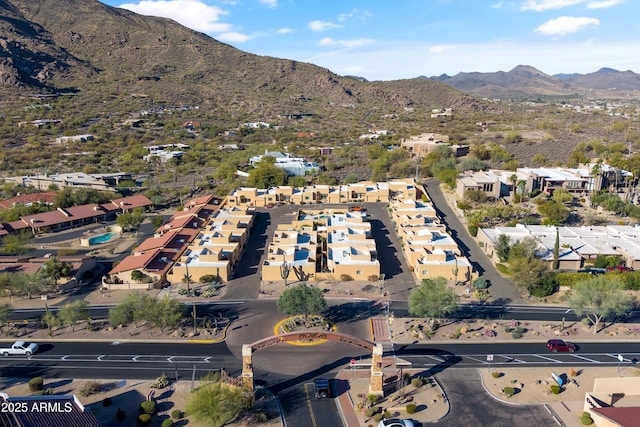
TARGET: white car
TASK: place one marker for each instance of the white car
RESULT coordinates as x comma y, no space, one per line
395,422
20,348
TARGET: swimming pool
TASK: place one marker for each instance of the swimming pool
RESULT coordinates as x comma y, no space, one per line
101,238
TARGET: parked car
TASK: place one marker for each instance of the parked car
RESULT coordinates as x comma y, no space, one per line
395,422
559,345
593,270
620,268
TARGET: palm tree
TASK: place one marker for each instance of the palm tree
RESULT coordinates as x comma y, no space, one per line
514,179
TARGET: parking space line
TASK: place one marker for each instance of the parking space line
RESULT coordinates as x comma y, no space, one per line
547,358
586,358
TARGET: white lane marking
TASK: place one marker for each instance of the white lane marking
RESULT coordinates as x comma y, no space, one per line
586,358
546,358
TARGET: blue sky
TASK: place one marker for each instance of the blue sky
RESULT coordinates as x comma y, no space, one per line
397,39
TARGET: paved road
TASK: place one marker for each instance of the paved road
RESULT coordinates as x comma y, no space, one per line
398,280
502,291
471,405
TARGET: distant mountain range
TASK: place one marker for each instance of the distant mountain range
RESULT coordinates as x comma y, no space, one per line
106,54
524,80
102,53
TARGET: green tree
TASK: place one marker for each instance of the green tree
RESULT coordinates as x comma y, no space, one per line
137,275
134,308
131,220
73,312
166,313
556,251
5,314
432,300
54,269
16,244
560,195
525,267
215,404
554,213
302,300
599,297
266,174
503,247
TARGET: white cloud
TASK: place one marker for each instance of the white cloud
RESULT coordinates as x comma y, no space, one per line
565,25
190,13
233,37
328,41
322,25
285,30
542,5
270,3
359,14
603,3
437,49
497,5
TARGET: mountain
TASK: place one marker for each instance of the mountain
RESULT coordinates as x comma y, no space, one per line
100,52
521,81
608,79
528,81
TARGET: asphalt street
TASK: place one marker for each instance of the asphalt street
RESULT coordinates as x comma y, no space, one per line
471,405
502,291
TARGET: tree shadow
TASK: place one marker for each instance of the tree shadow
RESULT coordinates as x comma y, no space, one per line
350,312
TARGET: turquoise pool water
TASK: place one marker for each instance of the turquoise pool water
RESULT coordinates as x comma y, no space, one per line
101,238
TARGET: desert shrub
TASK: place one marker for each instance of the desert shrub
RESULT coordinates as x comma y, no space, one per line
167,423
210,278
411,408
417,382
516,334
586,321
509,391
370,412
346,278
386,414
555,389
586,419
106,401
161,382
462,205
90,388
480,283
496,374
373,278
143,419
473,229
148,407
502,268
543,287
378,417
36,384
177,414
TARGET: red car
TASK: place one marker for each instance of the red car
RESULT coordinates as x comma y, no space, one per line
559,345
619,268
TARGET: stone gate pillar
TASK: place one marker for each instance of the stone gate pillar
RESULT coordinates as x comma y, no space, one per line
375,386
247,369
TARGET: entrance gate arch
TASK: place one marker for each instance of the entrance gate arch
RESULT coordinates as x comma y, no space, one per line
375,384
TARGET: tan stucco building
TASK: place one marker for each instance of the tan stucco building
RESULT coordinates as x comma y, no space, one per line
429,250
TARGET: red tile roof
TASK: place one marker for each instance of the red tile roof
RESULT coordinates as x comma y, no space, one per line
132,202
624,416
135,262
26,199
